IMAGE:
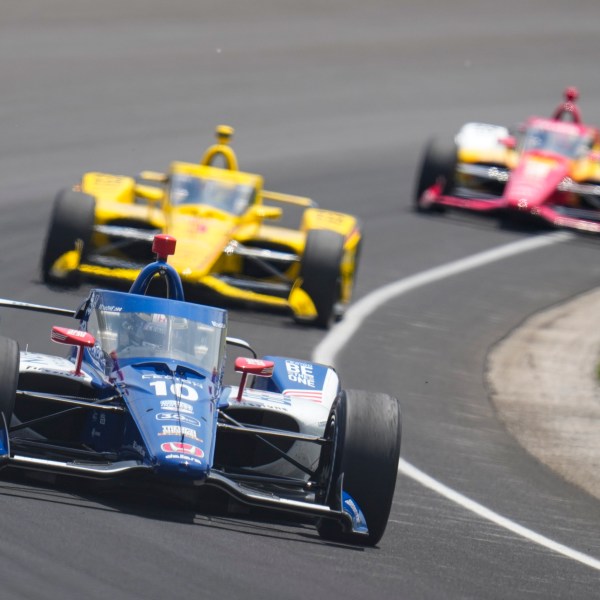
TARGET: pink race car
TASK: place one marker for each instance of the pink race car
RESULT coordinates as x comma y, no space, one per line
549,171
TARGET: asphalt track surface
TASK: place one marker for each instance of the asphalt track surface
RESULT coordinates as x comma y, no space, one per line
331,99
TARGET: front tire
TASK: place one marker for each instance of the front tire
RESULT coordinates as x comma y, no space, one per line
364,430
9,376
72,219
320,271
438,162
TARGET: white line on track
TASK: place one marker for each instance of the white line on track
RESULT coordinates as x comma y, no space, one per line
429,482
339,336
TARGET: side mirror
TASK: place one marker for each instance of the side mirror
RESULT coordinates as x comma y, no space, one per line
594,156
252,366
73,337
148,192
154,176
509,142
260,211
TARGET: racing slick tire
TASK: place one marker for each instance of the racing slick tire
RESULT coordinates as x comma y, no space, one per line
9,375
439,160
364,429
72,219
320,270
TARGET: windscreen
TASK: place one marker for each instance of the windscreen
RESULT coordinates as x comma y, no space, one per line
569,145
229,196
127,335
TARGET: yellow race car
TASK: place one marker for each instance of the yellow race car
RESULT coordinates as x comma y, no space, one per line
227,242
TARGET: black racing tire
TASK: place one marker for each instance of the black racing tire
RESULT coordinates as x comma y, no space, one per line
320,271
72,219
9,376
364,429
439,160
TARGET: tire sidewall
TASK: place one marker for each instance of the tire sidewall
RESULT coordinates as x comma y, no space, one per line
9,376
72,219
320,271
365,433
438,160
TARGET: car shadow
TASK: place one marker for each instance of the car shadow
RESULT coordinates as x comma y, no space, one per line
151,501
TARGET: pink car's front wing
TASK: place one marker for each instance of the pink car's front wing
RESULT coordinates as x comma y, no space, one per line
545,212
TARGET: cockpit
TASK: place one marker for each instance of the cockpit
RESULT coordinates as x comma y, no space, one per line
229,196
124,331
569,145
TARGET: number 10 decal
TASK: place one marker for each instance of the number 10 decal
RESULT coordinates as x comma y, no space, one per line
181,391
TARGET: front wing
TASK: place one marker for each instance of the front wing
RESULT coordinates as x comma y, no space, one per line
346,513
279,293
581,219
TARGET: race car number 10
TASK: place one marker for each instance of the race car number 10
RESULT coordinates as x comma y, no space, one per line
181,391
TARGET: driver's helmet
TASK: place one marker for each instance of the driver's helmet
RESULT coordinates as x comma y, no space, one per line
143,329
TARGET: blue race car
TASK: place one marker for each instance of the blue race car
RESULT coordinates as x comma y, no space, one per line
142,392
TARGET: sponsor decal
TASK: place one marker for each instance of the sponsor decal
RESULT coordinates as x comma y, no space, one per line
184,457
349,506
312,395
139,448
62,334
264,406
110,308
178,389
54,365
97,354
77,333
182,448
192,382
175,405
180,431
257,366
328,216
266,397
46,360
174,416
300,372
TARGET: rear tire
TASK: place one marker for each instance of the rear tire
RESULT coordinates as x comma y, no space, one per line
365,432
320,272
439,161
72,219
9,376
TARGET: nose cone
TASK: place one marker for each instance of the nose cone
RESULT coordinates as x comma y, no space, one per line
534,180
182,458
